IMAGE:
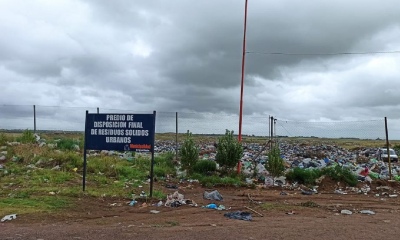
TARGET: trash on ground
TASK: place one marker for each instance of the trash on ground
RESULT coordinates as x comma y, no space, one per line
307,192
369,212
346,212
211,206
254,211
154,211
132,203
172,186
214,195
176,200
339,191
221,207
159,204
9,217
291,213
246,216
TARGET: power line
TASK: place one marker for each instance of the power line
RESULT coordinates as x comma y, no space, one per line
323,54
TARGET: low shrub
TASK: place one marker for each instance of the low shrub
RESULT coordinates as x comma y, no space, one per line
339,173
164,165
67,144
205,167
3,139
27,137
303,176
275,164
214,181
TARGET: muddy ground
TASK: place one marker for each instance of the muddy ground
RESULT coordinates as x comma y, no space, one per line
315,216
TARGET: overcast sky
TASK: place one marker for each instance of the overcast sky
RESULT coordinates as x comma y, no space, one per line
185,56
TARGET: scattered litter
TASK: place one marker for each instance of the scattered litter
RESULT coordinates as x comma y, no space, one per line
172,186
306,192
9,217
211,206
346,212
214,195
132,203
144,205
393,195
369,212
221,207
254,211
283,193
159,204
176,199
249,181
339,191
143,194
154,211
291,213
246,216
175,204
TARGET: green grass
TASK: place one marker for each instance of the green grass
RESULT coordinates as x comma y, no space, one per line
68,144
276,207
215,181
33,204
303,176
27,137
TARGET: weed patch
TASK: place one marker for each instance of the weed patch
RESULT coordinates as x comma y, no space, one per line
27,137
303,176
31,205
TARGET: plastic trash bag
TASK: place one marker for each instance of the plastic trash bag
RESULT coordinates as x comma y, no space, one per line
9,217
369,212
246,216
214,195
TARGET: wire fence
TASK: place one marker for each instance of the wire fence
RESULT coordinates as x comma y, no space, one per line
368,129
56,118
59,118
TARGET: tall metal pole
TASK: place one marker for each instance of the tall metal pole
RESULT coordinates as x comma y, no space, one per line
176,136
243,64
34,118
387,149
84,152
152,155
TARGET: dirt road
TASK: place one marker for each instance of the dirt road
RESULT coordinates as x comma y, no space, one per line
315,217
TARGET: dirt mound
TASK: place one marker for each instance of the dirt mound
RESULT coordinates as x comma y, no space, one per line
327,184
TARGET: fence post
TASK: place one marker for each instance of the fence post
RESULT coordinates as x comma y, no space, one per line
387,149
176,135
34,118
98,110
272,130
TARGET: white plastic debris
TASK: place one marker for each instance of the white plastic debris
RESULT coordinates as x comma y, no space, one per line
346,212
9,217
369,212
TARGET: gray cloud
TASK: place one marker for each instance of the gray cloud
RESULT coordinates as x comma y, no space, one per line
186,56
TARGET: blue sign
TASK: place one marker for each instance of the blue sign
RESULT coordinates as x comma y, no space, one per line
120,132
